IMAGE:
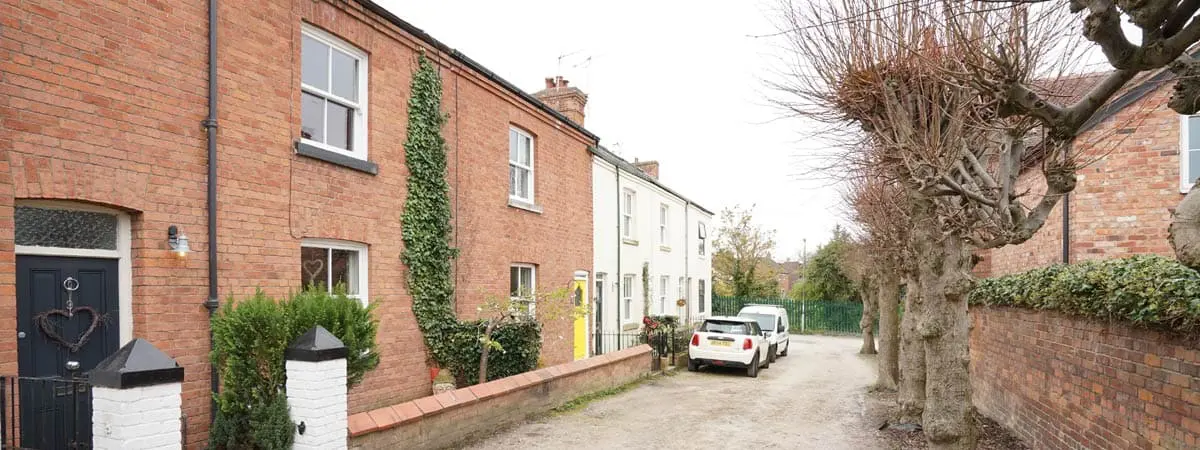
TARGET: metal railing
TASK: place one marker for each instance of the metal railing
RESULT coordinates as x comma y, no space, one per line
810,316
610,342
45,413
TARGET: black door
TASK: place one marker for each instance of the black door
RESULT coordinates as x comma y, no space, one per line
58,343
598,315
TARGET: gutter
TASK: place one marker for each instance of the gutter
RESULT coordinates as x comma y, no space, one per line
471,64
210,128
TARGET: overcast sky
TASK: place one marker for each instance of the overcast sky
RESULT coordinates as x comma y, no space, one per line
674,81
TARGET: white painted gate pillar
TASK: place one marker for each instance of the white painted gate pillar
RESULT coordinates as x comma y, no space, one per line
316,390
136,399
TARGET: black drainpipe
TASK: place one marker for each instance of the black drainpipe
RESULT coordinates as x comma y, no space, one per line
619,276
210,127
1066,230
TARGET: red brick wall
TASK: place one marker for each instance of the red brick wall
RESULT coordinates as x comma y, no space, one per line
1122,203
1063,382
449,419
102,103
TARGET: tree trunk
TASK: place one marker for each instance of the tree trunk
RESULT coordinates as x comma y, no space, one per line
487,347
912,359
944,264
867,322
1185,230
888,300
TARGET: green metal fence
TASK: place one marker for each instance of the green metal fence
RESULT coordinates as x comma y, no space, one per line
810,316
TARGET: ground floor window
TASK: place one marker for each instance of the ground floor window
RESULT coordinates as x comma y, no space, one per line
627,293
700,297
522,287
330,264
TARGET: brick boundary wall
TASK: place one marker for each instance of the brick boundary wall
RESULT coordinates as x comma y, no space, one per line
1065,382
452,418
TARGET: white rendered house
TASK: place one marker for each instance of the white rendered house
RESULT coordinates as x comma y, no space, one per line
640,223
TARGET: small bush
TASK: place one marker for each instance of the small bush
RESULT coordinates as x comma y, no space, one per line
521,342
249,339
1148,291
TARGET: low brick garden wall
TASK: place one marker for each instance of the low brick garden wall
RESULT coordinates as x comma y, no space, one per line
1064,382
455,417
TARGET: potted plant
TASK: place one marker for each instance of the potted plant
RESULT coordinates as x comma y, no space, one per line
442,382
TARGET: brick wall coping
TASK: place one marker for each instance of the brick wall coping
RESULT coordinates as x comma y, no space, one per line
414,410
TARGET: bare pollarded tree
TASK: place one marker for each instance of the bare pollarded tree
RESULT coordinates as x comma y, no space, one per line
876,206
900,71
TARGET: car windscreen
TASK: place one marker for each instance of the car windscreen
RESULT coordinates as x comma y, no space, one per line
725,327
765,321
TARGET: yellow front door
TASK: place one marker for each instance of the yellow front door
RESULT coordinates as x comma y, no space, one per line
579,292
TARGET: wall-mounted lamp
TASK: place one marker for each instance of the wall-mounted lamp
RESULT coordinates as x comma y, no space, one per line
177,241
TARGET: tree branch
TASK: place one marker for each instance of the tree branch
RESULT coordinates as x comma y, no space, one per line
970,194
1182,14
1082,110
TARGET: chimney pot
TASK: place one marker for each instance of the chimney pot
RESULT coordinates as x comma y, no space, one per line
549,82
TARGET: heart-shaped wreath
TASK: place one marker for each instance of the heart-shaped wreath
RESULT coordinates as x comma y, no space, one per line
44,321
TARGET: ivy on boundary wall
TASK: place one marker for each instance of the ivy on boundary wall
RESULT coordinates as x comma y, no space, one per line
1147,290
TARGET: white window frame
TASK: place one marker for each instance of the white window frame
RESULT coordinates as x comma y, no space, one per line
700,307
702,235
629,214
664,219
627,282
663,281
1184,153
532,299
532,151
363,268
358,137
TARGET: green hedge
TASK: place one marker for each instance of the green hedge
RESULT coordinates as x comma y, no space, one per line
521,342
1149,291
249,339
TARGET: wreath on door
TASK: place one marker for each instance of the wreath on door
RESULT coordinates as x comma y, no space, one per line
49,321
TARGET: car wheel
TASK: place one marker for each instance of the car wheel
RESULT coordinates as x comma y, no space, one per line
786,346
693,365
771,356
752,371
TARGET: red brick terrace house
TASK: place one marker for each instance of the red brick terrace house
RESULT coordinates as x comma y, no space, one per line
1141,158
103,150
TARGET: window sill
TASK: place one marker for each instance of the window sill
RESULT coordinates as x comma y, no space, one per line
630,326
664,248
629,241
314,152
521,204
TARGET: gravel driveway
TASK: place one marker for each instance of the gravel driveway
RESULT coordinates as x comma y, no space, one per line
813,398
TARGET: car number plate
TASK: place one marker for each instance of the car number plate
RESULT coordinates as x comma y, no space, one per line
721,343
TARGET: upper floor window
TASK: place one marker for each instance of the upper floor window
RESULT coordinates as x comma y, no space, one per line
520,165
1189,151
335,264
664,214
702,235
628,205
333,86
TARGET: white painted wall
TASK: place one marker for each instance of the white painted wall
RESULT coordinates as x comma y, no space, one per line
316,396
146,417
675,258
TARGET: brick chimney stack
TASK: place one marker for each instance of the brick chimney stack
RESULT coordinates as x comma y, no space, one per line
566,99
649,167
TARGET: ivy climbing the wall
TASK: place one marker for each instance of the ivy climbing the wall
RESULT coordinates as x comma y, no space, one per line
426,218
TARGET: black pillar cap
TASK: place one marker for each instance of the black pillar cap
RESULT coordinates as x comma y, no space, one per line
316,345
138,363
